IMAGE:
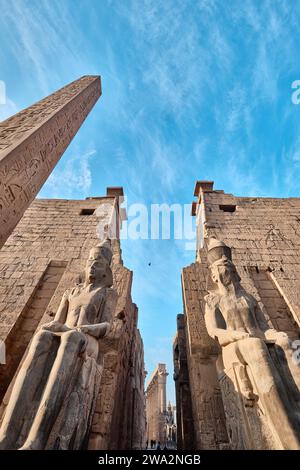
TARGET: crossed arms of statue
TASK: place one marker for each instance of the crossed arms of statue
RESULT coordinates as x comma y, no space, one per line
98,330
218,330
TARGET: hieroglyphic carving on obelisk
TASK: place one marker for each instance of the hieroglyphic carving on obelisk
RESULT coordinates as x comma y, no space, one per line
32,142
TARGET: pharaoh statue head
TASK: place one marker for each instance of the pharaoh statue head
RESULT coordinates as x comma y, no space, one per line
98,270
221,268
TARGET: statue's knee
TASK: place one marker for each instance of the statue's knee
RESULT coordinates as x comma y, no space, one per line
284,342
42,340
255,342
43,337
72,337
258,347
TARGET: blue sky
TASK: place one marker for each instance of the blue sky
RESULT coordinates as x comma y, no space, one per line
191,90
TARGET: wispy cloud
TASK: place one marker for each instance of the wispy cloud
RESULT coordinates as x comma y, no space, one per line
172,68
291,175
7,109
160,353
71,174
37,32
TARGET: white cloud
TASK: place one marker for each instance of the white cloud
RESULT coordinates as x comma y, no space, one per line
7,109
72,178
37,32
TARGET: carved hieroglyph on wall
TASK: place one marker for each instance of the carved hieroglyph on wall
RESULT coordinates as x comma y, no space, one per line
247,426
32,142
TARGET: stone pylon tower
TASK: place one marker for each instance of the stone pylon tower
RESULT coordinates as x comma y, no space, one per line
250,246
32,142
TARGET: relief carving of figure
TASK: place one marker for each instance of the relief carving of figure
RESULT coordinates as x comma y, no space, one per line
234,318
62,363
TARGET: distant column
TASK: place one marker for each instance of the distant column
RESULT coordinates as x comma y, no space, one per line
32,142
156,404
162,384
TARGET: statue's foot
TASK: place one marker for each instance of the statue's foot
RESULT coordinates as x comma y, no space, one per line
250,397
30,445
247,391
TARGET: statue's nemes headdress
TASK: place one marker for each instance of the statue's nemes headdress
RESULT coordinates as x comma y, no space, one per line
218,254
102,250
216,250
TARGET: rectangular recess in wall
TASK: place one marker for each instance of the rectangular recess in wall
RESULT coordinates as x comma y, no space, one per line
227,207
87,211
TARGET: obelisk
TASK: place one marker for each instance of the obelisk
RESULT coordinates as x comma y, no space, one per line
32,142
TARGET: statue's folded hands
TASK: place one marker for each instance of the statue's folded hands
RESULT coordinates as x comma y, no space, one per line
98,330
55,327
278,337
238,335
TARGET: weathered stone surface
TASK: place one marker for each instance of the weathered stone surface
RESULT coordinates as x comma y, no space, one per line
32,142
184,412
121,423
201,381
263,235
43,257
